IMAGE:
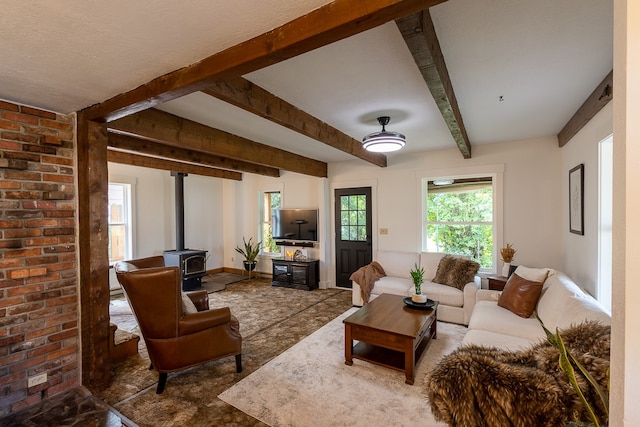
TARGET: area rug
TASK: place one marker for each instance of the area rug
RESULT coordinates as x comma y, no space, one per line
310,385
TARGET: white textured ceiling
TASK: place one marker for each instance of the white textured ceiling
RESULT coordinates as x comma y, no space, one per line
544,57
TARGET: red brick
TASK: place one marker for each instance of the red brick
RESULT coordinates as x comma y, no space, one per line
55,302
36,261
25,308
9,125
11,185
58,178
23,232
43,313
17,117
59,231
25,290
44,349
22,194
12,358
42,332
22,253
10,223
10,244
10,302
8,145
59,214
41,241
63,351
4,105
56,125
37,112
40,279
29,363
42,296
39,167
11,340
32,223
62,318
57,160
22,175
9,263
38,204
62,266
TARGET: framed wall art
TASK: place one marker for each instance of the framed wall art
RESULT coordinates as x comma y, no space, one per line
576,199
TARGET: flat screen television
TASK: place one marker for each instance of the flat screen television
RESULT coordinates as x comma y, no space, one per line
295,225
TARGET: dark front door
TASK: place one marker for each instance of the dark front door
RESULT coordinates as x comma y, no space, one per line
353,232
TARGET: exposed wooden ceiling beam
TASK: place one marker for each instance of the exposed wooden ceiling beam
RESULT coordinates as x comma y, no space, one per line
172,130
420,36
153,148
252,98
600,96
169,165
327,24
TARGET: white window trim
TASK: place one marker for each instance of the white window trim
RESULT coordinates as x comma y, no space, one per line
131,181
496,172
275,188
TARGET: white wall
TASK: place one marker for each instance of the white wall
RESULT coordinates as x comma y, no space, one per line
241,208
625,340
154,212
581,254
531,194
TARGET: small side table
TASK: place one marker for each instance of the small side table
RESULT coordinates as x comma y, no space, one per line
496,283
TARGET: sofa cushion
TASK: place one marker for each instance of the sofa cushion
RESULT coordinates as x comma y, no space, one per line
520,296
492,339
488,316
397,264
393,285
557,289
446,295
578,309
455,271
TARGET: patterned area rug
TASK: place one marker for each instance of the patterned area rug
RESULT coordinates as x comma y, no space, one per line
271,319
310,385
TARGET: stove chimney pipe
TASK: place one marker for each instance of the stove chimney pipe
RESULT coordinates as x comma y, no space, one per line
179,188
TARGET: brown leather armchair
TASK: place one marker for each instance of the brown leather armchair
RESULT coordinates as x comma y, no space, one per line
175,340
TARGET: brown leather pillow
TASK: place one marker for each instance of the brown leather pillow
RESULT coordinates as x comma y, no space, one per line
520,296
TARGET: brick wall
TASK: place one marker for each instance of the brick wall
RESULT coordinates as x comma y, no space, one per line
38,268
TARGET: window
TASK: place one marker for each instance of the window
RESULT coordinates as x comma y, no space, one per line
271,200
605,222
353,218
459,218
120,226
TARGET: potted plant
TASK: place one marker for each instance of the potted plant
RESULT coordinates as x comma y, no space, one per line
507,253
416,276
250,252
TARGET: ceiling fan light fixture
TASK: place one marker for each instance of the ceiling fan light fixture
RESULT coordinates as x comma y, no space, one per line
383,141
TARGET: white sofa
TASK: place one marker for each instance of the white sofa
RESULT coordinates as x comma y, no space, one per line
454,305
561,304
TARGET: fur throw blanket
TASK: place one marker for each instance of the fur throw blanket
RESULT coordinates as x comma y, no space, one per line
366,277
480,386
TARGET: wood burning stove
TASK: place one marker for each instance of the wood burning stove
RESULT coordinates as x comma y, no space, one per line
191,262
192,265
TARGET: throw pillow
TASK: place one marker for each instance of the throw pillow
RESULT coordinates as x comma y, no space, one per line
456,272
444,267
520,296
533,274
188,307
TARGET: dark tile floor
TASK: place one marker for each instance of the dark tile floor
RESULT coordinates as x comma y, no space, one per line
76,407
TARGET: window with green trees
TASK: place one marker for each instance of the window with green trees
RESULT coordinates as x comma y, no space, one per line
460,219
271,201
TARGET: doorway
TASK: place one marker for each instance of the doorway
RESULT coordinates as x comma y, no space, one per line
353,232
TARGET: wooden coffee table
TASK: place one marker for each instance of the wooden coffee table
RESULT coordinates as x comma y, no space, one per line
390,334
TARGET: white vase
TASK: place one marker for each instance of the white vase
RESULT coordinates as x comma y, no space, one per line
419,298
505,269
